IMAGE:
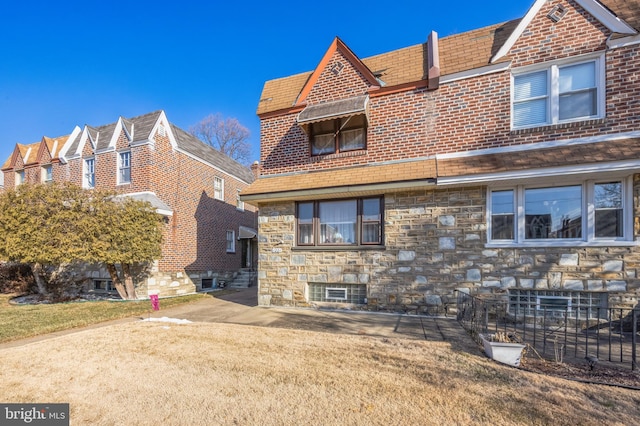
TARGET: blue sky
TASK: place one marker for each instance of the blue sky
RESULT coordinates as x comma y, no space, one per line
72,63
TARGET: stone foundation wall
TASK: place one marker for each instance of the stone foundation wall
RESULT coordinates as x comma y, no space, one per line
434,244
152,280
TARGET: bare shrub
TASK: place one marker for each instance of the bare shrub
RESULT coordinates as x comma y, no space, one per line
15,278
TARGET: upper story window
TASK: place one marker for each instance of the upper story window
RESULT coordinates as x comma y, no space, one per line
19,177
124,167
47,173
344,134
340,222
89,173
588,211
218,188
558,93
239,202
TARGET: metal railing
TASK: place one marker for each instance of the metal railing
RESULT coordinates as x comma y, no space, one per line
609,334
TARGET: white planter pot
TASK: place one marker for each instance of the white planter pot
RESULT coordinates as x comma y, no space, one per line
506,353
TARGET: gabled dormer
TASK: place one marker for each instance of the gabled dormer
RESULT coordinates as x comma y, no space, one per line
335,99
127,127
23,157
339,75
47,155
69,146
557,55
545,18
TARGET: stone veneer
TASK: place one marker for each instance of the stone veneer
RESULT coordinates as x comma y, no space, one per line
434,244
165,284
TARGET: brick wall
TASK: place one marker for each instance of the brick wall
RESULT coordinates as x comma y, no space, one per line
194,238
467,114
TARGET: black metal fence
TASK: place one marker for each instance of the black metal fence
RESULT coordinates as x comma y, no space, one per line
571,334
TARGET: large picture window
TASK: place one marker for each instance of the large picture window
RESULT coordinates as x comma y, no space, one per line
340,222
345,134
583,212
556,94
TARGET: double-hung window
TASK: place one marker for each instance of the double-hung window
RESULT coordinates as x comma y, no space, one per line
239,202
355,221
345,134
19,177
124,167
559,93
218,188
231,241
575,213
89,179
47,173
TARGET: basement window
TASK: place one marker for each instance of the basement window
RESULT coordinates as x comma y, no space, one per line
103,285
338,293
558,303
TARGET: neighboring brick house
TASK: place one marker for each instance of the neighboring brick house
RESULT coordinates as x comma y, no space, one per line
209,235
501,159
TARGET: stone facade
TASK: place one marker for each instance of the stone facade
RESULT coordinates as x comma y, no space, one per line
435,245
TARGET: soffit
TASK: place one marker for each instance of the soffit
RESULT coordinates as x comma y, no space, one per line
570,155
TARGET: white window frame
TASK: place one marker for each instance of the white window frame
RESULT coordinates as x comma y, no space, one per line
218,188
19,177
588,214
553,91
46,173
239,202
86,183
231,241
122,167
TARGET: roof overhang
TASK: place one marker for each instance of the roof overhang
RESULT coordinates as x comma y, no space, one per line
333,110
591,171
246,233
150,197
337,191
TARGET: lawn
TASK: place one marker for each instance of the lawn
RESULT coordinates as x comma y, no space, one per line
149,373
21,321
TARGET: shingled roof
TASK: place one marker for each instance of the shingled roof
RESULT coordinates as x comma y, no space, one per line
458,53
450,168
194,146
348,179
627,10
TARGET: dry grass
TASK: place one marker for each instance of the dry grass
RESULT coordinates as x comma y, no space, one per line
21,321
148,373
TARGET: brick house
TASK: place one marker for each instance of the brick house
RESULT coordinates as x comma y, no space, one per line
209,234
504,159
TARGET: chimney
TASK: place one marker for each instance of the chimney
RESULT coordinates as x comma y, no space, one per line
433,61
255,169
